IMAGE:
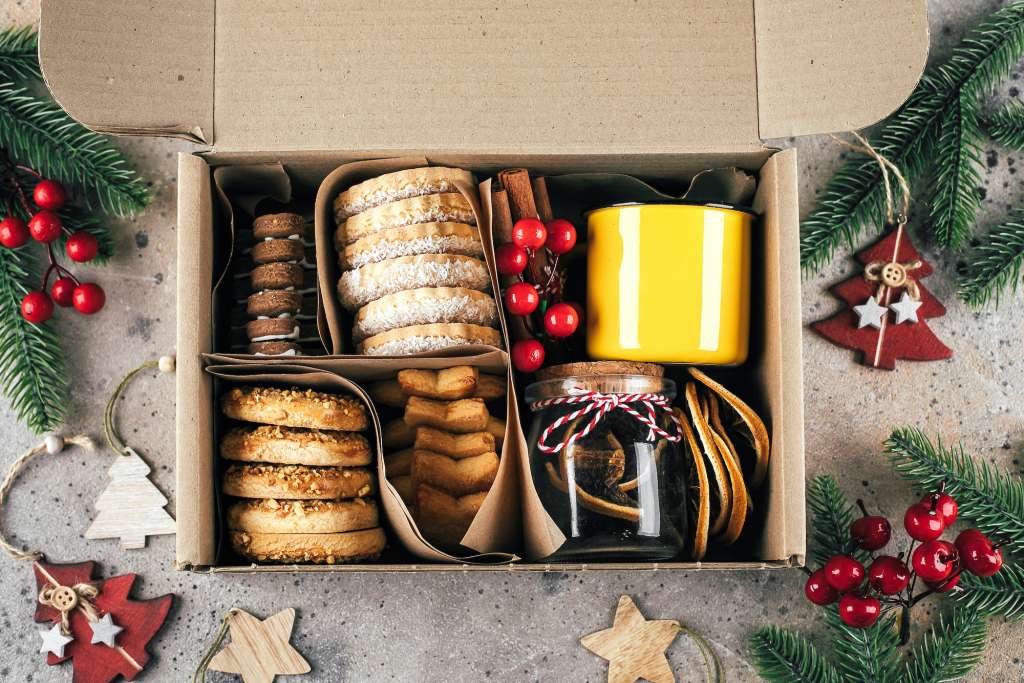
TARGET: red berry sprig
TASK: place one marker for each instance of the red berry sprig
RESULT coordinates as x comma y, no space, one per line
889,580
537,293
45,226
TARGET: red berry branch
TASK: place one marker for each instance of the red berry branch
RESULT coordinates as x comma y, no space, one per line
888,579
45,227
536,295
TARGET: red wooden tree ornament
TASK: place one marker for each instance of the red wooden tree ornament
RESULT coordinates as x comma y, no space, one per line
887,307
139,621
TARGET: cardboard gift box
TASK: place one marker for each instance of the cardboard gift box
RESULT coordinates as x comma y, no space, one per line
659,89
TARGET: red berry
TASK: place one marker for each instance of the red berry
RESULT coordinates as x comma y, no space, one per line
36,307
943,586
844,573
818,591
45,226
978,554
13,232
943,504
62,291
521,298
88,298
923,523
871,532
529,233
82,246
859,611
528,355
49,194
934,560
511,259
888,575
561,320
561,236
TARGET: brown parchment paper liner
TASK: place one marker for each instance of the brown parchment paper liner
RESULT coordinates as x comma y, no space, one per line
495,532
330,318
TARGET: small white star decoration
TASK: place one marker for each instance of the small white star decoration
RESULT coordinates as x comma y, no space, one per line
104,631
870,313
54,641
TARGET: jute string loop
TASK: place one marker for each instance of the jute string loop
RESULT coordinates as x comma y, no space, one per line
114,439
80,440
200,675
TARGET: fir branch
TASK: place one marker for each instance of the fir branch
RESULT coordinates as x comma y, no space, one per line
1006,125
781,656
954,194
19,59
854,198
990,498
999,595
831,516
866,655
40,134
949,650
996,264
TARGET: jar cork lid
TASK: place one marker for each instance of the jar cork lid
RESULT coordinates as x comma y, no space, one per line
602,377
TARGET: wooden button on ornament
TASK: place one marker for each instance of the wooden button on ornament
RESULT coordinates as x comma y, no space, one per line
64,598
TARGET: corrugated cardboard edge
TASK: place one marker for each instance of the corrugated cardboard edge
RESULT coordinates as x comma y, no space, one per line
518,567
194,389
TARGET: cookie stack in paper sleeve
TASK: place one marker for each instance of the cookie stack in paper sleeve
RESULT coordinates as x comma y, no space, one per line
412,264
300,471
441,453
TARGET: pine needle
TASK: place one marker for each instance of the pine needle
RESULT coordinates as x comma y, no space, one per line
949,650
38,133
831,516
1006,125
996,264
19,60
781,656
866,655
854,199
954,192
999,595
990,498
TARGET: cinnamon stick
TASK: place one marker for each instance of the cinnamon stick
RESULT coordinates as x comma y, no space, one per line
517,185
542,200
501,217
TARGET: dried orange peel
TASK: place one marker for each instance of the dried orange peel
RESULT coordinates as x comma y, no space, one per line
702,523
715,464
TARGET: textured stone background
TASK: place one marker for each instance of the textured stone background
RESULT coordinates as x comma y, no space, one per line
495,626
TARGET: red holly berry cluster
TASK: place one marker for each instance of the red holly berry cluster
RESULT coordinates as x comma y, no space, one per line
45,226
528,295
889,579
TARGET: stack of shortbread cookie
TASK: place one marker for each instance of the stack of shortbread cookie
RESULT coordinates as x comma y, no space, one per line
441,455
281,301
412,262
302,476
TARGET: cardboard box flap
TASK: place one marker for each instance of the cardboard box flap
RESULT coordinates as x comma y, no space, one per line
137,68
573,76
836,66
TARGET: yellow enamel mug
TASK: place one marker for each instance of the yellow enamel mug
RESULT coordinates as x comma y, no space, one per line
669,283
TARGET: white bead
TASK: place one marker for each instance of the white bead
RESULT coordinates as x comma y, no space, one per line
166,363
54,444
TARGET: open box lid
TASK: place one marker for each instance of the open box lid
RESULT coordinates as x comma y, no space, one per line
560,77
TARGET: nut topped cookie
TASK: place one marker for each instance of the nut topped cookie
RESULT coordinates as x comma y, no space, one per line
350,546
292,446
297,482
295,408
271,516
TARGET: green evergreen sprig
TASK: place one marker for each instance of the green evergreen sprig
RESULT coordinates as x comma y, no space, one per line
18,60
936,135
949,650
1006,125
787,657
866,655
831,516
995,265
1002,594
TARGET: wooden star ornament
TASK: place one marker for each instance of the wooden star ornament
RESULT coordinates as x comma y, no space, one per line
634,646
260,650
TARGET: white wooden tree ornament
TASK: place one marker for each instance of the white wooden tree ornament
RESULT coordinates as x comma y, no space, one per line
131,507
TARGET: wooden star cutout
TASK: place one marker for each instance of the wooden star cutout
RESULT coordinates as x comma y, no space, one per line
634,647
259,650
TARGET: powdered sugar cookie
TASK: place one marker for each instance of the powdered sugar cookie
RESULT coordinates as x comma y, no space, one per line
422,307
423,238
358,287
392,187
432,208
419,338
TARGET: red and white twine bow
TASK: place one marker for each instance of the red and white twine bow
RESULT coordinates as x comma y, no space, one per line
600,405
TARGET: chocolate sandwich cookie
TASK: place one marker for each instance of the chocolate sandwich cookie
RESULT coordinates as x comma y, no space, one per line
277,276
272,329
274,348
272,303
278,251
279,225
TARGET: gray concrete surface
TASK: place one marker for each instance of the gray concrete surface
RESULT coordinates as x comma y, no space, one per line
463,627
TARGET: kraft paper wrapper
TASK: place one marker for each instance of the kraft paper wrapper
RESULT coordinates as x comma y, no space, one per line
495,530
334,322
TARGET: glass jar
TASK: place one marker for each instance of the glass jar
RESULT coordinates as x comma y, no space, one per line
612,478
